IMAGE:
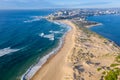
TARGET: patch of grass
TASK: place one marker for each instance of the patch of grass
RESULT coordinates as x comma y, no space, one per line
98,69
112,74
100,36
103,72
114,65
118,58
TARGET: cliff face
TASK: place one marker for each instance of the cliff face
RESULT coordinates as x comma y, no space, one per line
93,56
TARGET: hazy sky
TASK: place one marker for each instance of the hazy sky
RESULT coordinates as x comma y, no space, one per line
38,4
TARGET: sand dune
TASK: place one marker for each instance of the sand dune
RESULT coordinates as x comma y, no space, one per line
82,55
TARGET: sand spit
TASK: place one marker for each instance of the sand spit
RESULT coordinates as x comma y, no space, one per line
57,66
84,56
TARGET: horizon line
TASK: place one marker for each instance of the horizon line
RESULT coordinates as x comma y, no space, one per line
55,8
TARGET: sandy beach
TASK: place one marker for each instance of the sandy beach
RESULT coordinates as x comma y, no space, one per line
56,67
83,56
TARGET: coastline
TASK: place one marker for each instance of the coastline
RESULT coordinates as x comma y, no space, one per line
56,64
98,24
94,25
80,57
34,68
91,58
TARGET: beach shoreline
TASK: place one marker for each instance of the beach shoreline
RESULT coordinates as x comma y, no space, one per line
34,68
80,57
94,25
51,66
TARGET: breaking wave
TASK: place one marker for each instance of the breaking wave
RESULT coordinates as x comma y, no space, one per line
34,68
55,32
49,36
34,18
6,51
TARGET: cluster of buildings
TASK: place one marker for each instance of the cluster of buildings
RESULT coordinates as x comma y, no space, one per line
81,14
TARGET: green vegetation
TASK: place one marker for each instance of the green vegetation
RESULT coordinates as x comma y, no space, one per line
109,72
112,74
114,65
118,58
98,69
86,30
103,72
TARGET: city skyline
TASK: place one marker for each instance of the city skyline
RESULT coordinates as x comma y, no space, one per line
39,4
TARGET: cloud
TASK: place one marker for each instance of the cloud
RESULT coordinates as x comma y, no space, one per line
25,4
31,4
96,3
80,4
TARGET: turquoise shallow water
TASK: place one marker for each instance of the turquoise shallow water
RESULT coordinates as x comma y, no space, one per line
110,28
25,37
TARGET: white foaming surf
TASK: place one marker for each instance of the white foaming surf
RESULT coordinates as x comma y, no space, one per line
49,36
34,18
6,51
33,69
55,32
61,24
55,22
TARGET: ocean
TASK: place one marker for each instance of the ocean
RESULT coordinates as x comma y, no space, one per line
26,41
110,27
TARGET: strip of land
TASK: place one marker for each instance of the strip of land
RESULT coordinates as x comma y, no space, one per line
56,67
84,56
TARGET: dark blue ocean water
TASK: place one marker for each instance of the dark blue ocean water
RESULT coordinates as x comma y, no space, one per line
110,28
25,37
